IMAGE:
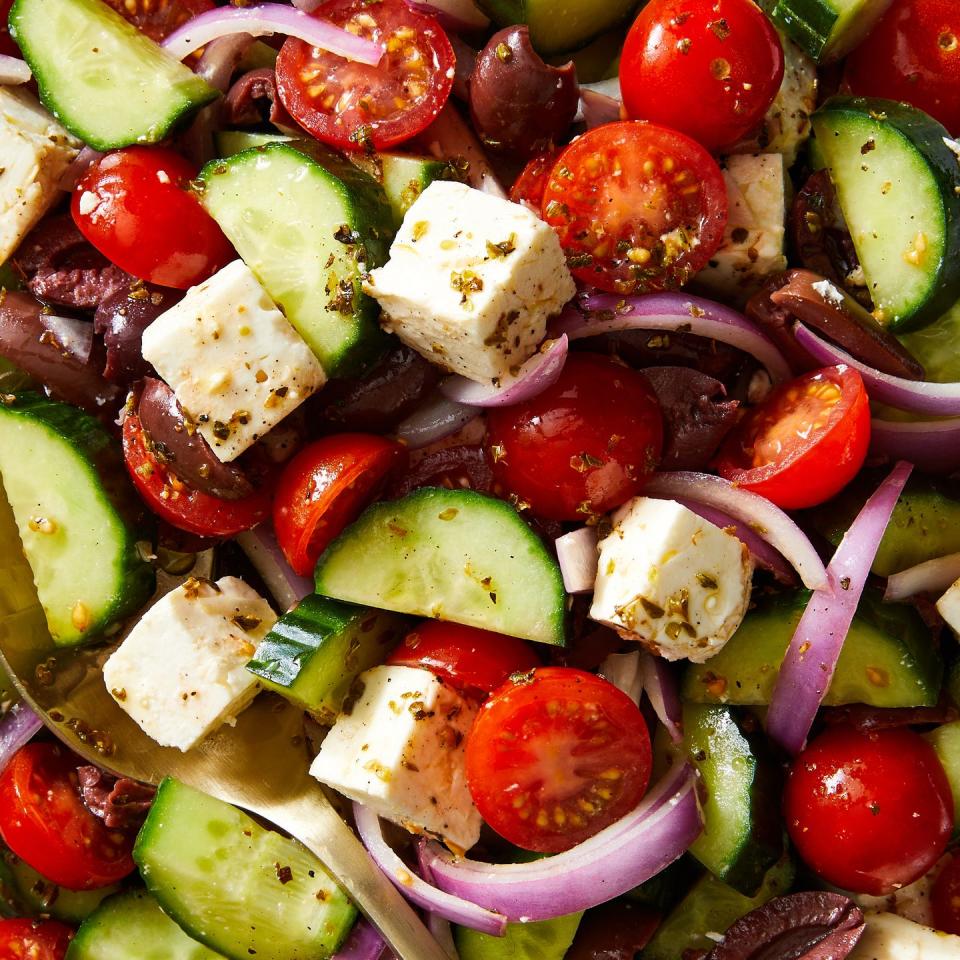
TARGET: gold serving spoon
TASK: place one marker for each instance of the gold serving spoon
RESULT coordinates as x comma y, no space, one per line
261,764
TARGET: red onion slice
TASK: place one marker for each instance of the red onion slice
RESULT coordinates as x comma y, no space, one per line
450,137
13,71
266,19
595,313
931,445
607,865
660,684
460,16
17,727
415,889
72,335
364,943
932,576
221,58
436,419
78,168
308,6
533,377
765,519
919,396
815,647
623,671
286,587
440,928
577,555
600,102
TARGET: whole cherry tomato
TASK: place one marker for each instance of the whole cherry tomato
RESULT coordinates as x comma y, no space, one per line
25,939
869,811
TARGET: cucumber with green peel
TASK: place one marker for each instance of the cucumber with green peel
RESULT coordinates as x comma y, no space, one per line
104,80
539,940
451,555
76,514
945,739
826,29
898,183
309,227
239,889
887,658
313,653
132,924
41,897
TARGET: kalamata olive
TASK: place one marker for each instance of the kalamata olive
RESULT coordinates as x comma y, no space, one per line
799,926
253,100
176,443
519,104
617,930
464,467
121,319
776,322
26,342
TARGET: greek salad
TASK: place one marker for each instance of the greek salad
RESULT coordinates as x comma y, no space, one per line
564,398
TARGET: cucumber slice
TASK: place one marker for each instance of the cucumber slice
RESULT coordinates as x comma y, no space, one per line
314,652
826,29
898,184
887,658
946,741
225,881
451,555
229,142
42,897
133,925
309,228
404,177
540,940
65,480
104,80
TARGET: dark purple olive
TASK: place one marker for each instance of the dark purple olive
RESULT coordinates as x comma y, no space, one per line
178,444
253,100
519,104
26,342
777,323
799,926
121,319
617,930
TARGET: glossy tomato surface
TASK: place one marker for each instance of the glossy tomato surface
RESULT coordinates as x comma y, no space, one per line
23,939
582,447
354,106
637,207
180,505
913,54
709,68
555,756
869,811
945,897
531,183
44,822
325,487
136,207
805,442
159,18
472,660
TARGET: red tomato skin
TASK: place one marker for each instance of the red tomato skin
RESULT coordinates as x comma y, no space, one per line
869,811
159,19
25,939
354,128
44,822
582,447
945,897
531,182
913,54
709,68
472,660
549,740
811,473
326,486
145,219
181,506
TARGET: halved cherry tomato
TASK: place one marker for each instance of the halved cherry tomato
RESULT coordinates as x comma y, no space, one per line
945,897
44,822
469,659
637,207
528,188
182,506
354,106
7,47
325,487
583,446
25,939
135,206
709,68
804,443
869,811
159,18
556,756
913,54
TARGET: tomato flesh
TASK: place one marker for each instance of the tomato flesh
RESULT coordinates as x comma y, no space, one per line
355,106
24,939
709,68
159,18
583,446
805,442
472,660
44,822
637,207
531,183
135,206
869,811
945,897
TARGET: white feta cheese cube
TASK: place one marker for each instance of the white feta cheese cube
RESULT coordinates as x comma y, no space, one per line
34,153
889,937
949,607
671,580
400,751
471,281
235,363
181,672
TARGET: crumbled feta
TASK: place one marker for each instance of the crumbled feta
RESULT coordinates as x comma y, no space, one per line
471,281
399,749
181,672
949,607
235,363
889,937
671,580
